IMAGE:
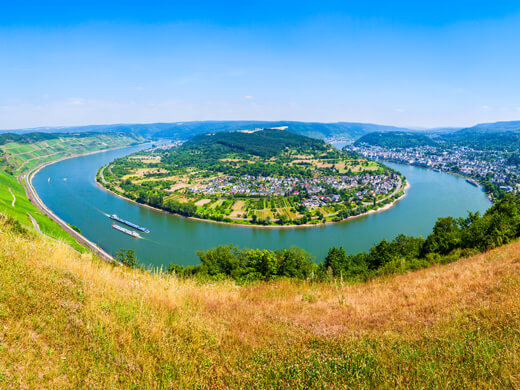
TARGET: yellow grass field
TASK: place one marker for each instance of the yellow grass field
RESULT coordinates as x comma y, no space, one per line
71,321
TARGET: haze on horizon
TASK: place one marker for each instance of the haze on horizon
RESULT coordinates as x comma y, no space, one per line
405,63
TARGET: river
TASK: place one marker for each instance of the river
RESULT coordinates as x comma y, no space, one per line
69,189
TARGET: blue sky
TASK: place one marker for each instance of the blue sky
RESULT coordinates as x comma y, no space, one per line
402,63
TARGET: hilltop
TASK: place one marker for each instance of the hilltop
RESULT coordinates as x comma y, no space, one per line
344,131
504,136
71,321
263,143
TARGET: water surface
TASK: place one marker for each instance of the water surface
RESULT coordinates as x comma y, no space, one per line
70,190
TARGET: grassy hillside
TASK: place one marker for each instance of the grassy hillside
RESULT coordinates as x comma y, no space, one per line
70,321
22,208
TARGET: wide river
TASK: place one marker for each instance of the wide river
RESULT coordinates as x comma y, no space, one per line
70,190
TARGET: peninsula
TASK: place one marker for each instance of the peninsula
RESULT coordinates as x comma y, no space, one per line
255,177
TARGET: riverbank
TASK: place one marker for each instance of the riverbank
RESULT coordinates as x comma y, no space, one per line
308,225
80,201
32,195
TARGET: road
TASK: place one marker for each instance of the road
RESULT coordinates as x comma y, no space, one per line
399,188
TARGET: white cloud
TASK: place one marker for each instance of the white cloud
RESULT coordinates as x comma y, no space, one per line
248,97
74,101
484,108
399,110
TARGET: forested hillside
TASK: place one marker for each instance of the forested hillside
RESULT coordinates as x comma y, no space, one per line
263,143
395,140
508,141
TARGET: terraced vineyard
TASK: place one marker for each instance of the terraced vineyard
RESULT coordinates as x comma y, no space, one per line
19,157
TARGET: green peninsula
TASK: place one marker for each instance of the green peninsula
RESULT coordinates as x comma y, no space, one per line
258,177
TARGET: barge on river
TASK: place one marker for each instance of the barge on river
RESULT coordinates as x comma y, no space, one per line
128,223
125,230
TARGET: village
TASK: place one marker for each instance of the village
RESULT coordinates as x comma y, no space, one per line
480,165
314,192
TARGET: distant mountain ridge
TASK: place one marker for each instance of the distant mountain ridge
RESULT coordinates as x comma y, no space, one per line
495,127
348,130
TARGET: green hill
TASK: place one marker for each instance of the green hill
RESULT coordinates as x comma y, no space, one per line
263,143
395,139
261,177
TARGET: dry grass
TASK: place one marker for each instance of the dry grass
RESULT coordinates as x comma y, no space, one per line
71,321
202,202
147,171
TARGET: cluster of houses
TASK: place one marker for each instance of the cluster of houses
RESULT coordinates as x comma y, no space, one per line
477,164
320,200
317,189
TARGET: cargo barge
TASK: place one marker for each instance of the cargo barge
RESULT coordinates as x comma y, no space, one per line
128,223
125,230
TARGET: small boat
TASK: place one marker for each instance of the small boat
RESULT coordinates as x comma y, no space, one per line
127,231
472,182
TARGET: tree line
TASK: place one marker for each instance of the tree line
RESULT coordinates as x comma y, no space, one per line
451,239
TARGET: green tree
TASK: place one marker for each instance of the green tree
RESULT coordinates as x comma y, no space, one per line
337,261
127,257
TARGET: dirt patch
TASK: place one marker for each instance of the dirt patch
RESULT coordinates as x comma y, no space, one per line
202,202
179,186
238,205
